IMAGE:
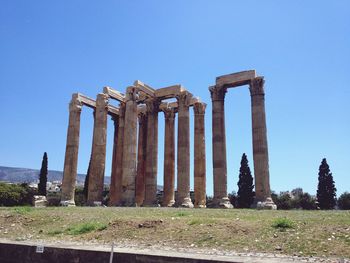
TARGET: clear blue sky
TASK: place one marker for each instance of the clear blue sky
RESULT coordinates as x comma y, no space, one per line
51,49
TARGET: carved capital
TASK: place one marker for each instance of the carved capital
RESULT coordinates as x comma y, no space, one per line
132,93
142,118
152,105
169,113
199,108
115,119
217,93
102,101
121,109
256,86
75,104
184,99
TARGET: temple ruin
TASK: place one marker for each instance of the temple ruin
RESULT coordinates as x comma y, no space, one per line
135,149
260,149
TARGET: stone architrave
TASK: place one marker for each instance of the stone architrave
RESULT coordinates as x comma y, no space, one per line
129,148
71,156
113,186
169,158
183,151
98,158
219,147
116,194
141,160
199,155
151,153
260,149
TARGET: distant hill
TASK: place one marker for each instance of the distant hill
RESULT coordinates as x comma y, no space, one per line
26,175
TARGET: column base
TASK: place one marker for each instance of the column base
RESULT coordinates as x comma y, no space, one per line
187,203
268,204
200,206
67,203
94,203
223,203
171,203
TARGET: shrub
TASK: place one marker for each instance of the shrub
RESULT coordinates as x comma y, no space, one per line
283,223
344,201
15,194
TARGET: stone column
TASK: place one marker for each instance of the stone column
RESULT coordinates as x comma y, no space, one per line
183,151
260,149
113,186
199,155
141,160
129,148
98,158
151,153
116,195
169,158
219,147
72,148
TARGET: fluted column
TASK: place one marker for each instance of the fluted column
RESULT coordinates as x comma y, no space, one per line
260,149
151,153
116,194
129,148
169,158
219,147
71,156
141,160
113,188
183,151
98,158
199,155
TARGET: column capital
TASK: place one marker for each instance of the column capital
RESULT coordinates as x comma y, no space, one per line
115,118
142,118
184,99
199,108
132,94
256,86
152,105
75,104
217,93
169,113
102,100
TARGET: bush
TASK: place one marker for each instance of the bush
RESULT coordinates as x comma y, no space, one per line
15,194
283,223
344,201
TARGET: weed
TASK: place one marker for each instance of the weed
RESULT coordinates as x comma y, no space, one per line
282,223
182,213
54,232
86,228
23,210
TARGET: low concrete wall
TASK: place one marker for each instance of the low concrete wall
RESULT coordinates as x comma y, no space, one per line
13,252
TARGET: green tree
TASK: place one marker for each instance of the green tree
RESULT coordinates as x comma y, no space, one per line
344,201
86,182
326,191
43,176
245,194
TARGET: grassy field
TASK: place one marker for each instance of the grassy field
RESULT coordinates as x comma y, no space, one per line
307,233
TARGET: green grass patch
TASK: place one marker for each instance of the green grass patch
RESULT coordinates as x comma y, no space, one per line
23,209
182,213
86,228
283,223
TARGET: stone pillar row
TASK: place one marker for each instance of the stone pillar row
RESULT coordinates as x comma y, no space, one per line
134,160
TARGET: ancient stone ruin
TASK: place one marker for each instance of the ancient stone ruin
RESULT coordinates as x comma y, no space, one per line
135,149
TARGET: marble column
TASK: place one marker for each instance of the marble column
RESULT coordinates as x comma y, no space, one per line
98,158
183,151
260,149
116,194
169,158
151,153
141,160
219,147
71,156
113,186
199,155
129,148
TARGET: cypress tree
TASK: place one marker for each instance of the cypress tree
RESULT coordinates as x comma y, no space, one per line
43,176
326,191
86,182
245,194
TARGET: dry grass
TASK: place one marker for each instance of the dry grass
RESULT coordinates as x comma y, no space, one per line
308,233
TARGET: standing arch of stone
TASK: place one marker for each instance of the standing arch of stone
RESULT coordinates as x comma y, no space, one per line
259,135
